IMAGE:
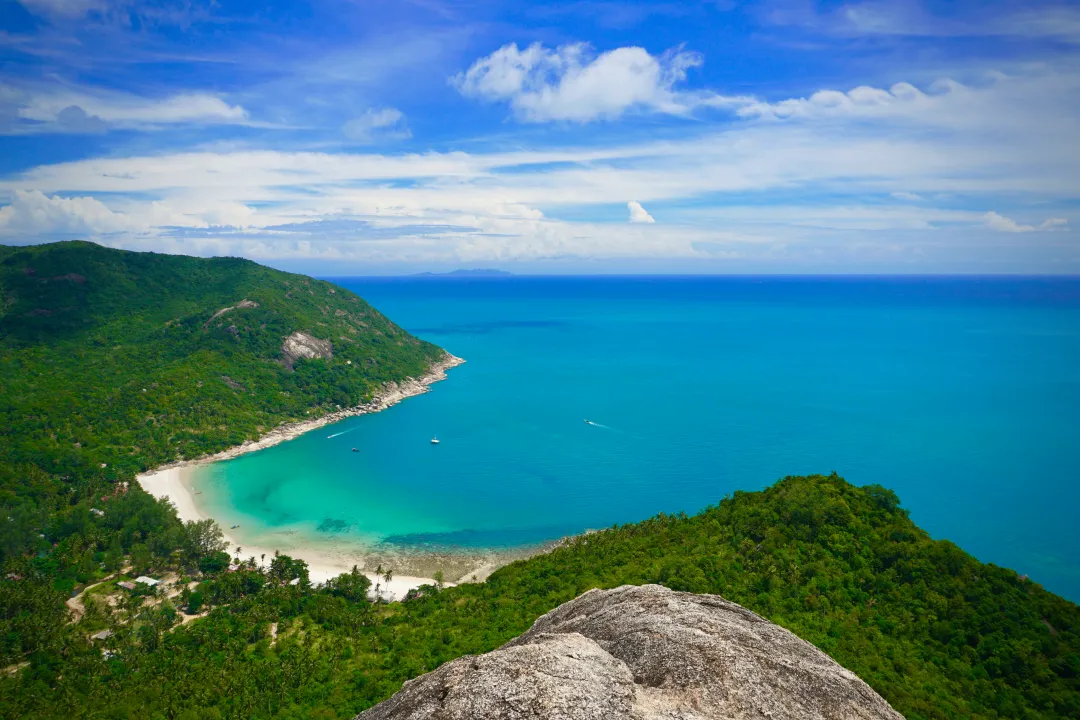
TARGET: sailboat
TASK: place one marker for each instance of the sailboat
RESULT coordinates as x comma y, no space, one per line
434,440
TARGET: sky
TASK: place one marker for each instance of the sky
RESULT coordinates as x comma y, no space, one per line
345,137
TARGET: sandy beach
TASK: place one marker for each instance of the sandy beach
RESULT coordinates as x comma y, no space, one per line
324,562
327,560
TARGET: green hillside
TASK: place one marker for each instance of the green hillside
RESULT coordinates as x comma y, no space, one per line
116,357
123,360
936,632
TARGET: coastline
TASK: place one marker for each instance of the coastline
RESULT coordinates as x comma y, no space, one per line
391,394
325,560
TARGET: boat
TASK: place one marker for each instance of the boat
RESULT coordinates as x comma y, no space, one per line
355,450
234,527
434,440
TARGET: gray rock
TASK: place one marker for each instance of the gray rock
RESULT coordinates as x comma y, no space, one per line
642,653
300,345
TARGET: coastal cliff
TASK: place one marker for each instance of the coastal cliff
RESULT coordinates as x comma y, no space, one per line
642,653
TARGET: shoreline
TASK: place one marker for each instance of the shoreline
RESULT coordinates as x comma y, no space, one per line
326,560
391,394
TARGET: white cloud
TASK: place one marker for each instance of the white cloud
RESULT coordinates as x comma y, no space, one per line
509,204
376,125
900,99
572,83
638,213
1001,223
903,195
1054,224
33,212
65,109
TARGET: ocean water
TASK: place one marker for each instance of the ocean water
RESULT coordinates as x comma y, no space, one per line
961,394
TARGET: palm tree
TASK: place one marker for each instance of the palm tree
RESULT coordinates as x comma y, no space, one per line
388,576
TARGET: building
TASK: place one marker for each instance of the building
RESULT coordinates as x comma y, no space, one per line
101,635
126,585
147,580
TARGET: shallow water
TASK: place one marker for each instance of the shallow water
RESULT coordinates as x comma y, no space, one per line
961,394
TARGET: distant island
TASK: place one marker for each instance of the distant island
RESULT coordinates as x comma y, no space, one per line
475,272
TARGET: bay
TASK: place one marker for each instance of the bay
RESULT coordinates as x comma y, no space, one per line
961,394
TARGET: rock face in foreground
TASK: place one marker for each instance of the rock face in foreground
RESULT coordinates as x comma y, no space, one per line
642,653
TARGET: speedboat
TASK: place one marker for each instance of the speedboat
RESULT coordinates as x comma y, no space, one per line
355,450
434,440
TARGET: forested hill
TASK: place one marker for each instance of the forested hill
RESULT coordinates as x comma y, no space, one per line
934,631
133,359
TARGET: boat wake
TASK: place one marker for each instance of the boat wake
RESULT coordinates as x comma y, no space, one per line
340,433
596,424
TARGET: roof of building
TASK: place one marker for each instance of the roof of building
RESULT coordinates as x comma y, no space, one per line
101,635
126,585
147,580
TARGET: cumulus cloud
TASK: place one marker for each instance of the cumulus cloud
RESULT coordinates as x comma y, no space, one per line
74,119
638,213
864,100
573,83
33,212
1000,223
378,125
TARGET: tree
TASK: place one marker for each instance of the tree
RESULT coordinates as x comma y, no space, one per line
352,586
214,563
141,558
203,538
284,569
114,558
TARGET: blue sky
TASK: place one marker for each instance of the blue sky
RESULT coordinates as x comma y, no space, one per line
784,136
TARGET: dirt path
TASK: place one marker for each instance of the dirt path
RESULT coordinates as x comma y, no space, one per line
75,604
12,669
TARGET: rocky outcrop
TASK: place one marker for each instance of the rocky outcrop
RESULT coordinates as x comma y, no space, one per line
642,653
300,345
243,304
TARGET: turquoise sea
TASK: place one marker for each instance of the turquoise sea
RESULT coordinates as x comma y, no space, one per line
961,394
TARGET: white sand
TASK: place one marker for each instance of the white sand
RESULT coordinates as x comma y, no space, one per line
174,482
323,563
